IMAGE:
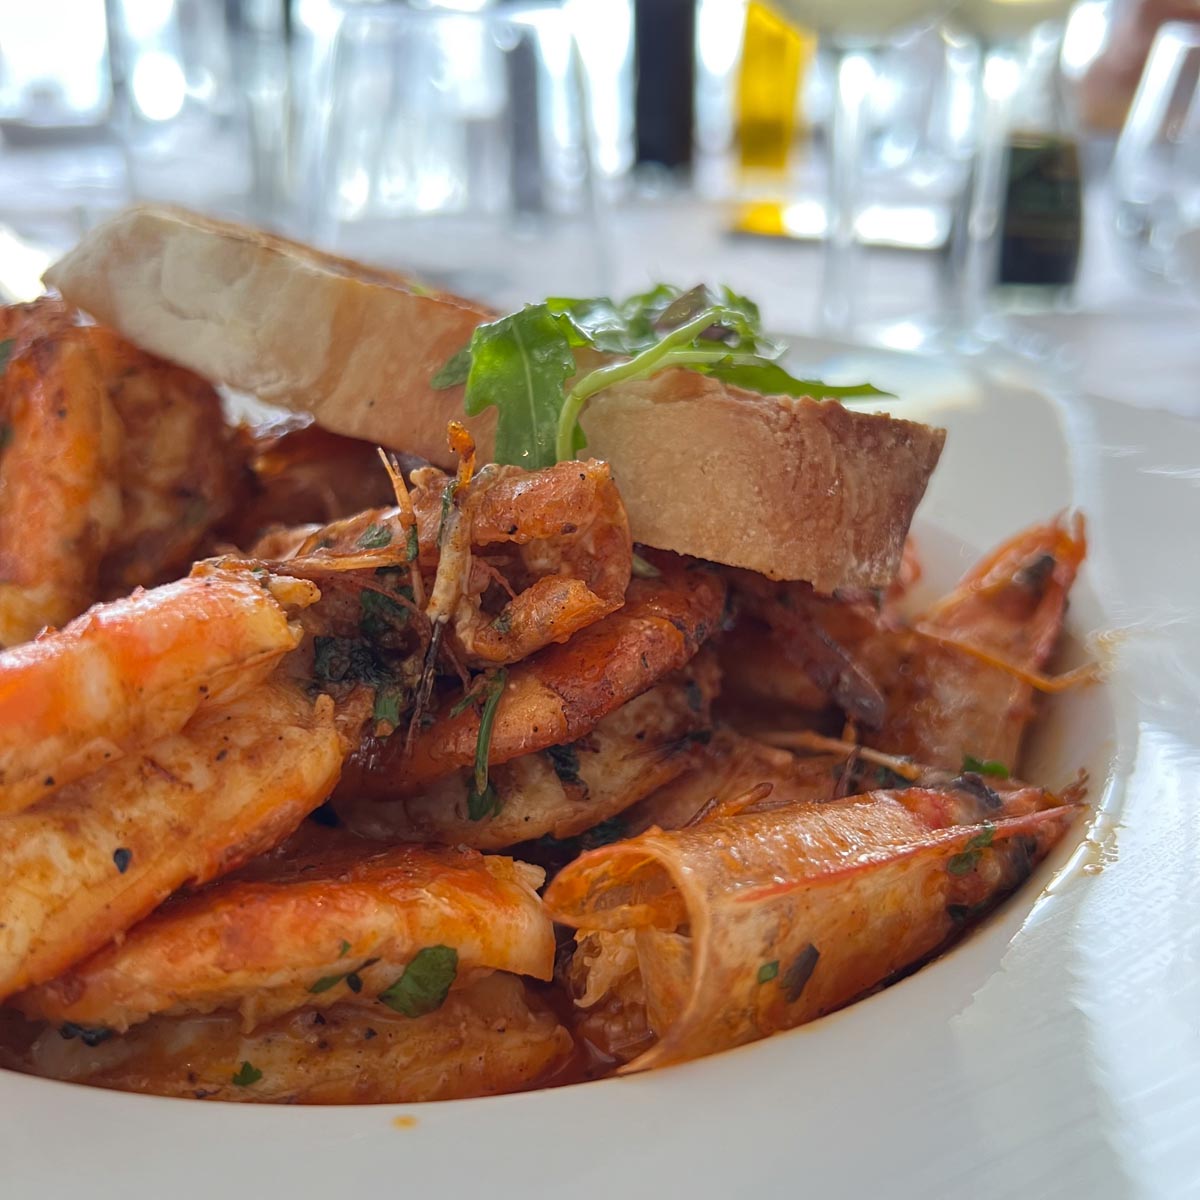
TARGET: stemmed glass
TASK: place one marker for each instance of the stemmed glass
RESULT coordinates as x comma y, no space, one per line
851,32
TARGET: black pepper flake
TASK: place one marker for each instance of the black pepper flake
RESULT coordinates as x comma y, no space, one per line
354,982
369,1034
221,755
48,781
122,856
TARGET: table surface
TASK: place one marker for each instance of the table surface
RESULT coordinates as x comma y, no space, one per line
1124,336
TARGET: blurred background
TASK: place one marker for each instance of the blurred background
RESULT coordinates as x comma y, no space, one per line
917,174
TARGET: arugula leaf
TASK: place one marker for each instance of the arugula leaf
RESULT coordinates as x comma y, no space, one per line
481,796
596,323
771,379
520,364
454,371
425,983
246,1075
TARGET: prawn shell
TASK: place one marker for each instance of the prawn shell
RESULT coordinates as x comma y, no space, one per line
643,745
796,912
268,939
944,704
562,692
60,501
127,673
83,866
491,1038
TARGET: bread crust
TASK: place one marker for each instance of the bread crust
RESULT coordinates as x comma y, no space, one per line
791,488
794,489
354,346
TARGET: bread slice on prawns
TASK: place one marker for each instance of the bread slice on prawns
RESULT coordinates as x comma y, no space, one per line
794,488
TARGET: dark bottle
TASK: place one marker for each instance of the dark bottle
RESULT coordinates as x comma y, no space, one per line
1042,225
665,63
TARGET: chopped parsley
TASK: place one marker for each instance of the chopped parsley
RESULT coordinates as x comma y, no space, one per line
988,766
381,614
343,948
412,545
375,537
425,983
768,971
5,353
962,863
565,761
612,830
246,1074
89,1035
798,974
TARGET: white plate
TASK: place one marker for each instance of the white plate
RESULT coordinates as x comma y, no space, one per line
1055,1052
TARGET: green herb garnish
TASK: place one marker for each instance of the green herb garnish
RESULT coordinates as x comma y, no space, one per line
381,614
246,1074
412,546
5,353
325,983
343,948
960,864
988,766
375,537
565,761
482,800
425,983
89,1035
522,363
640,568
798,974
768,971
604,834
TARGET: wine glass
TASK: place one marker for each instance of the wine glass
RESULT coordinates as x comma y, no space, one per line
449,142
851,32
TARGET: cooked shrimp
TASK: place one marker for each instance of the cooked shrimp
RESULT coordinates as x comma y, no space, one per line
561,693
179,466
491,1038
131,671
60,499
84,865
945,699
298,474
745,925
729,767
326,919
566,789
572,553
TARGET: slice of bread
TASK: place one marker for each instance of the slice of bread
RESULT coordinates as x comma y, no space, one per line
794,489
354,346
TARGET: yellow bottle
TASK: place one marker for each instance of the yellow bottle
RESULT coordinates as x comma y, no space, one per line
775,56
